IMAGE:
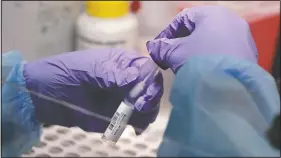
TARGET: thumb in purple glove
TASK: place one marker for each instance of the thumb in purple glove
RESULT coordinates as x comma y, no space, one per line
202,30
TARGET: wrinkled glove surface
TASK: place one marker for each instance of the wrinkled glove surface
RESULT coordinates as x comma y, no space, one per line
202,30
96,80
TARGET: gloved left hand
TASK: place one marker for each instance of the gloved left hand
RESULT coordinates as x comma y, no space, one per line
94,79
201,31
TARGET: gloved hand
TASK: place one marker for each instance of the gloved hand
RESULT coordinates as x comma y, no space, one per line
199,31
96,80
227,101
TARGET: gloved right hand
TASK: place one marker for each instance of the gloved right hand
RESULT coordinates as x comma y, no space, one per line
199,31
96,80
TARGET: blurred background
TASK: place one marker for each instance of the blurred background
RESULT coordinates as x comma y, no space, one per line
44,28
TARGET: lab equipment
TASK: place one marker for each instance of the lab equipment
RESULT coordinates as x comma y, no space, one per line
74,142
202,30
123,113
227,105
106,24
70,79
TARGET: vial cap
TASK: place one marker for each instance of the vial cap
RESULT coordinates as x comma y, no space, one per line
107,9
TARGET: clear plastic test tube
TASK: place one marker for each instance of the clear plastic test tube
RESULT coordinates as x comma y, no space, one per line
123,113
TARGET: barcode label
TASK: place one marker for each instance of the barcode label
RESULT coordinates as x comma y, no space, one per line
113,121
118,122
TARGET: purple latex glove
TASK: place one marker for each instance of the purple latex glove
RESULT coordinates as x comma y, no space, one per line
202,30
94,79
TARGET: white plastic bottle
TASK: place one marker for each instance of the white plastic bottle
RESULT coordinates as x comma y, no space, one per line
107,24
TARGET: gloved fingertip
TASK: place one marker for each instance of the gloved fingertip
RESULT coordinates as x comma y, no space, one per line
154,50
153,94
149,46
138,131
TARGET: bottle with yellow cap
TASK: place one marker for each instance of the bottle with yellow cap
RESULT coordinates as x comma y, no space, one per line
106,24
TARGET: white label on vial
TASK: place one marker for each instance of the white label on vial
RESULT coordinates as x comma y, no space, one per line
118,122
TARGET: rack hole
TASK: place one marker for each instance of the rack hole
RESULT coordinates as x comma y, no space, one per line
51,137
102,153
55,150
67,143
84,148
79,136
140,146
130,152
71,155
62,130
42,155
